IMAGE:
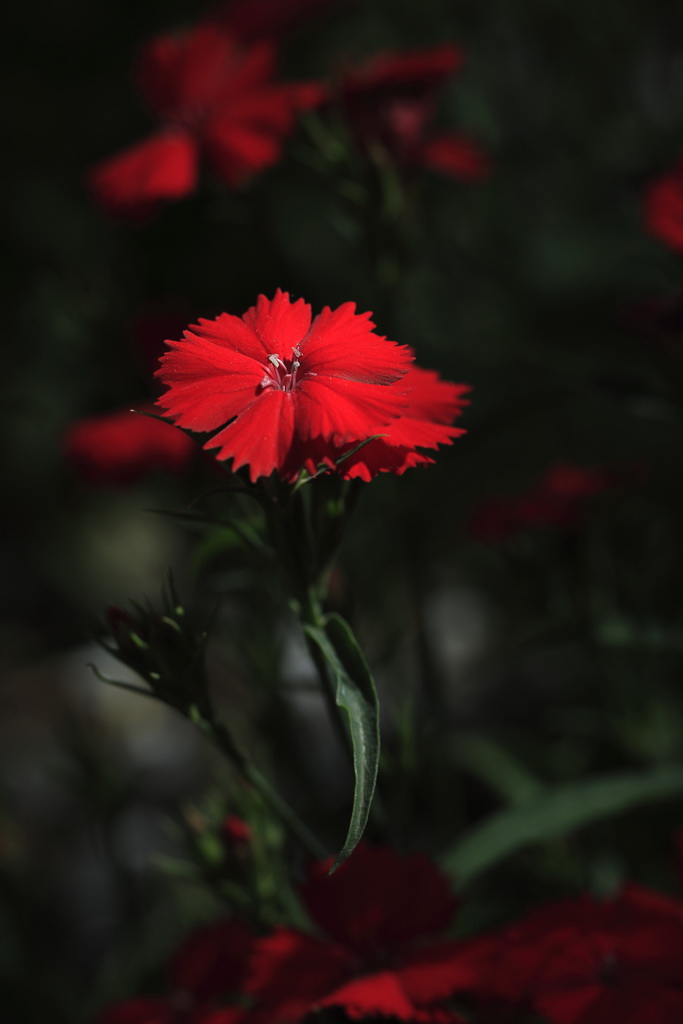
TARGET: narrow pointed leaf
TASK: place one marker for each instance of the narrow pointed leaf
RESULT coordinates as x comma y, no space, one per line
357,696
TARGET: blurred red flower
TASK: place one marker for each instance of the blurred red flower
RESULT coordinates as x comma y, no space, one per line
589,962
381,912
391,100
289,392
208,970
122,446
215,96
555,501
664,208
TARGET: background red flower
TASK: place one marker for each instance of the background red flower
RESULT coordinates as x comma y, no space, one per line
123,446
215,96
555,501
392,100
205,975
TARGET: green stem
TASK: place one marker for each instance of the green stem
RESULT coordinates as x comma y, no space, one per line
206,719
224,741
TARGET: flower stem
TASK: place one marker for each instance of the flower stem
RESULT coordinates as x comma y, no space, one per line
217,732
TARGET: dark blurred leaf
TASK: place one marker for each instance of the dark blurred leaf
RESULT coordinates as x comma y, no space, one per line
560,811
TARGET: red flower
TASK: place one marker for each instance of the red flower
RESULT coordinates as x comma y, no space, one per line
285,392
391,100
381,912
586,962
214,96
207,971
555,501
118,447
664,208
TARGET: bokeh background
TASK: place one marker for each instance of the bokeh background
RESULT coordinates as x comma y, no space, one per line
515,661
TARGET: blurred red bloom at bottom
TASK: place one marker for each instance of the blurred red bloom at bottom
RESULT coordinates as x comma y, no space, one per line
589,962
207,970
381,914
122,446
377,953
555,502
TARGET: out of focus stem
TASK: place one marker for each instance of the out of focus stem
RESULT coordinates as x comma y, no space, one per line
211,725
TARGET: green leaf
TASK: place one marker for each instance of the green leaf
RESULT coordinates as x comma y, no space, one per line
556,813
357,696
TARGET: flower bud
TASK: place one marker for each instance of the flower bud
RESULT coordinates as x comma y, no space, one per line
162,647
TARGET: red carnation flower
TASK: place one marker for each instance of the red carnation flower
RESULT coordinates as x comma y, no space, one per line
207,971
286,392
381,912
392,100
555,501
215,96
122,446
586,962
664,208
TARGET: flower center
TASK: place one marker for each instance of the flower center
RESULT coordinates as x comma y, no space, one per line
280,373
